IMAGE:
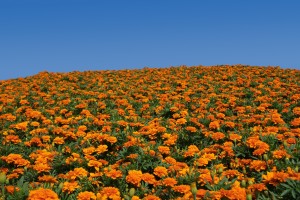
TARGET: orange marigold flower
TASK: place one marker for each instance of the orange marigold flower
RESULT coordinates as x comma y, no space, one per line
253,141
160,171
205,158
149,178
220,115
295,122
164,150
35,124
170,160
182,188
291,140
59,140
89,150
42,194
114,174
192,149
218,136
47,179
111,139
134,177
132,156
11,189
258,165
169,182
278,154
70,187
16,159
259,152
231,173
214,125
41,167
235,192
12,138
235,137
257,187
274,178
230,124
86,196
77,172
101,148
21,126
109,192
296,111
191,129
152,197
135,198
181,121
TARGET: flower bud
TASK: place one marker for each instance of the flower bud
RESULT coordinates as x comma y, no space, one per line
131,192
244,170
2,178
61,185
249,197
266,157
243,183
250,182
220,170
194,188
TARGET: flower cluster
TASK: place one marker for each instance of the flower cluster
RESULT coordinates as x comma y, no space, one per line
220,132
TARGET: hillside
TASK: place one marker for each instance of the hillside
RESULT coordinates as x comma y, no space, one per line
229,132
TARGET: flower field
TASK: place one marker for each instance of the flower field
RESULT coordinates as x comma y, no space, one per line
220,132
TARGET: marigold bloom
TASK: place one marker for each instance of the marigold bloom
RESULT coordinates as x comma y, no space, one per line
214,125
47,179
21,126
230,124
160,171
109,192
295,122
42,167
11,189
296,111
205,158
70,187
77,172
42,194
134,177
235,193
86,196
164,150
181,121
169,182
111,139
235,137
192,149
12,138
278,154
114,174
258,165
101,149
16,159
274,178
218,136
152,197
191,129
149,178
257,187
182,188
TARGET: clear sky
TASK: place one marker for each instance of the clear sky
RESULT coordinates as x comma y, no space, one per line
68,35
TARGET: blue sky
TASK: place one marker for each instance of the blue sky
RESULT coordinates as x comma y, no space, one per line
68,35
